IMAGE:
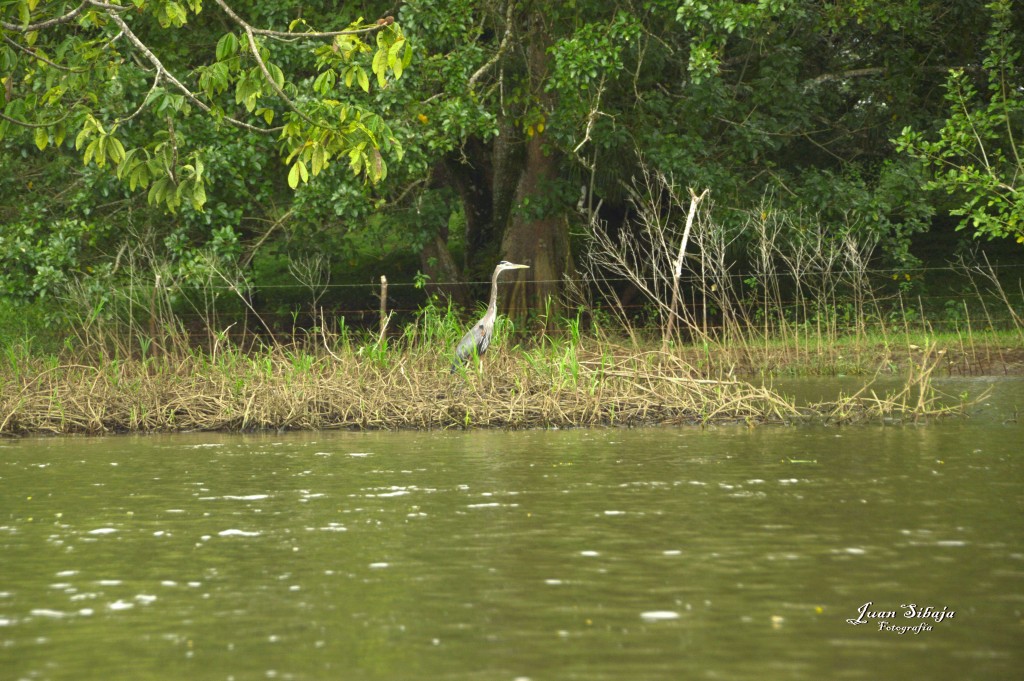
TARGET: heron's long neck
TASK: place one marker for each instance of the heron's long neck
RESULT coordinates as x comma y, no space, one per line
492,307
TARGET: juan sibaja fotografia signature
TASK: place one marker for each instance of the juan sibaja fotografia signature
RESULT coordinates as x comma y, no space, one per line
887,620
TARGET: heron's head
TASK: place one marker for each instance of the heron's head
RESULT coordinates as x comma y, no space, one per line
506,265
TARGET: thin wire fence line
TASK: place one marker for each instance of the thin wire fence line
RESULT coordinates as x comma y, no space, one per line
799,327
740,304
993,319
837,274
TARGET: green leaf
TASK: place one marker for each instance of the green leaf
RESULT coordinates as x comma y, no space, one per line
396,147
140,177
298,174
82,138
100,157
177,14
198,196
319,159
90,151
324,82
157,191
394,59
242,89
395,48
364,80
276,74
115,150
227,46
376,168
380,66
41,138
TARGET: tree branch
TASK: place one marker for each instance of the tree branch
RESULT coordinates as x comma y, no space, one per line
169,77
63,19
35,55
270,80
246,259
250,33
107,7
142,105
501,48
25,124
872,71
387,21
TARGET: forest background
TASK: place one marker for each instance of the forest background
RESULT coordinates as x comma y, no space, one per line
193,168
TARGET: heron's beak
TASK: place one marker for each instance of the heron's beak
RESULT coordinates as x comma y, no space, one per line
514,266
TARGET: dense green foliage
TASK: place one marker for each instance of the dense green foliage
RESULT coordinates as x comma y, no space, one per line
85,70
196,155
979,154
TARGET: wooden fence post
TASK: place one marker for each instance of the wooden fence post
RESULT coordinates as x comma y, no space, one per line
383,306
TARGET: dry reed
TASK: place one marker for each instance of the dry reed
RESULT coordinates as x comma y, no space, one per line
282,388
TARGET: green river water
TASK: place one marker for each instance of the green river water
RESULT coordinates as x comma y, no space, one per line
662,553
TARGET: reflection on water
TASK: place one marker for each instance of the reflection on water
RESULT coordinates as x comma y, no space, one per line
596,554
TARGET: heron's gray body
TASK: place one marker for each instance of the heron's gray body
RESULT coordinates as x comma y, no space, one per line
478,338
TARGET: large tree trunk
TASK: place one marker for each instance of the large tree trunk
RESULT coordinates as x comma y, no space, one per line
505,189
537,233
538,240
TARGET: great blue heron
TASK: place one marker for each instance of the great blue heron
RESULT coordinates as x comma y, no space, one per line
479,336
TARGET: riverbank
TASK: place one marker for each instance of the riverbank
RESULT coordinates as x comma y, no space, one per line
583,383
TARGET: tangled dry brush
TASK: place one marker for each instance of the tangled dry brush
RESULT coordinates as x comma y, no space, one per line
291,389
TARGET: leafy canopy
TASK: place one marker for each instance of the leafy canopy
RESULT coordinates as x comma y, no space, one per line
121,78
978,155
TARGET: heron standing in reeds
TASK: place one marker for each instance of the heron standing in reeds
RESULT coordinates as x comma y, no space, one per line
478,338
